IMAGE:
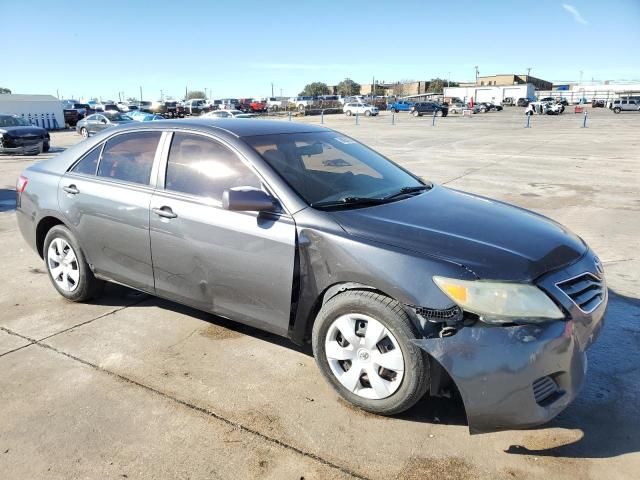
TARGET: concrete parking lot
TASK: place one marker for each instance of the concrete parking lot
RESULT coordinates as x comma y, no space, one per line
131,386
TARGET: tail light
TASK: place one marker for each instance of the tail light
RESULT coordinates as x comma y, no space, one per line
21,184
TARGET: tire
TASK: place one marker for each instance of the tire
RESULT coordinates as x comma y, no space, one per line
438,113
617,110
73,280
301,108
389,322
394,110
84,132
46,146
416,113
348,113
367,113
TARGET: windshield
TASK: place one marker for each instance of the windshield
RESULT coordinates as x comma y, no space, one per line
117,117
328,167
11,121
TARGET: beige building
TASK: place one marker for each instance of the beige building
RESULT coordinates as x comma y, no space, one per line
509,79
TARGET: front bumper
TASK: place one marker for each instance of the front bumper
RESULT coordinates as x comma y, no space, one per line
524,375
32,148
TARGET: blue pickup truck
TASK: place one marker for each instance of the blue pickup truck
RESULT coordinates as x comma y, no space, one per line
400,106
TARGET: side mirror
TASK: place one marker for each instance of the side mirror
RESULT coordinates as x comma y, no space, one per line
103,121
247,199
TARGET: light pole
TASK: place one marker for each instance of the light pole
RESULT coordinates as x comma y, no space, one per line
528,73
477,72
448,79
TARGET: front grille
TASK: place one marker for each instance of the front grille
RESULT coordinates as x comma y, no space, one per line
545,390
585,290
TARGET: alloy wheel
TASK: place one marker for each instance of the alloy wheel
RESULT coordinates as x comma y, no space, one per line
62,263
364,356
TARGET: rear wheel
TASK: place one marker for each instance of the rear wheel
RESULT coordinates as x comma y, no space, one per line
84,132
362,345
68,270
46,146
438,113
367,113
348,113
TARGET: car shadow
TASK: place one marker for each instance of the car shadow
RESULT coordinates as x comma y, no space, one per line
7,200
606,414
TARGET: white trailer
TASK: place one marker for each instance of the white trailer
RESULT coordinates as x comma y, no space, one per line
42,110
495,94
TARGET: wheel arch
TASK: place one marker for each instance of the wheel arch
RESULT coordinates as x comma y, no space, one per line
301,331
44,225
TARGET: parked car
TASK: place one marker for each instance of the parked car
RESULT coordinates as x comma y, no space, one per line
302,102
257,106
99,121
139,116
275,104
400,106
458,107
401,286
428,108
195,106
598,103
360,109
523,102
17,135
230,104
229,114
625,105
508,102
111,107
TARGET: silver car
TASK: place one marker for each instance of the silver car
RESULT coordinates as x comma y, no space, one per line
401,286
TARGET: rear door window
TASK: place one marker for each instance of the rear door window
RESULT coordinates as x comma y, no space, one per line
129,157
201,166
89,163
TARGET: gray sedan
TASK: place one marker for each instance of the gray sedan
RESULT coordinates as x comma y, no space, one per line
402,287
99,121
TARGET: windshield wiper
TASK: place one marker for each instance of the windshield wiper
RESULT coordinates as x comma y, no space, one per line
409,190
349,202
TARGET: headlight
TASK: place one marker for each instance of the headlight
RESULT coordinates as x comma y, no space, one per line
500,302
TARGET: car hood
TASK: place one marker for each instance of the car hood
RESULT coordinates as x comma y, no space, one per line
20,131
493,239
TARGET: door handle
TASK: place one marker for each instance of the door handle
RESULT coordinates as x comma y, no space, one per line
71,189
164,212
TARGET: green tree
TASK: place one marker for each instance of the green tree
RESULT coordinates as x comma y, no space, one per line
436,85
195,94
348,87
4,90
315,89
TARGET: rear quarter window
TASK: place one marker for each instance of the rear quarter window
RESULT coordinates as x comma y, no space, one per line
89,163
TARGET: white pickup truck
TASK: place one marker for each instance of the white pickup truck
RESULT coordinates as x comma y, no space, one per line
301,103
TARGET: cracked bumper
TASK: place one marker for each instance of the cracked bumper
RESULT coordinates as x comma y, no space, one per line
501,371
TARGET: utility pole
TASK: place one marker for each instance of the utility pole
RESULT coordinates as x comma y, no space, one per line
581,76
161,95
185,92
448,79
272,90
476,67
528,74
140,93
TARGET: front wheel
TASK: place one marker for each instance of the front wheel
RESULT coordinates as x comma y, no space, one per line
68,270
46,146
367,113
438,113
617,110
362,345
84,132
348,113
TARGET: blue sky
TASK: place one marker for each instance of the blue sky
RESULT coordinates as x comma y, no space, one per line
238,48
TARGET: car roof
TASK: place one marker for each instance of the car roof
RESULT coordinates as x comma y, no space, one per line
239,127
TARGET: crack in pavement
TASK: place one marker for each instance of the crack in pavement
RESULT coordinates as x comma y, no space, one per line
96,318
191,406
15,349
